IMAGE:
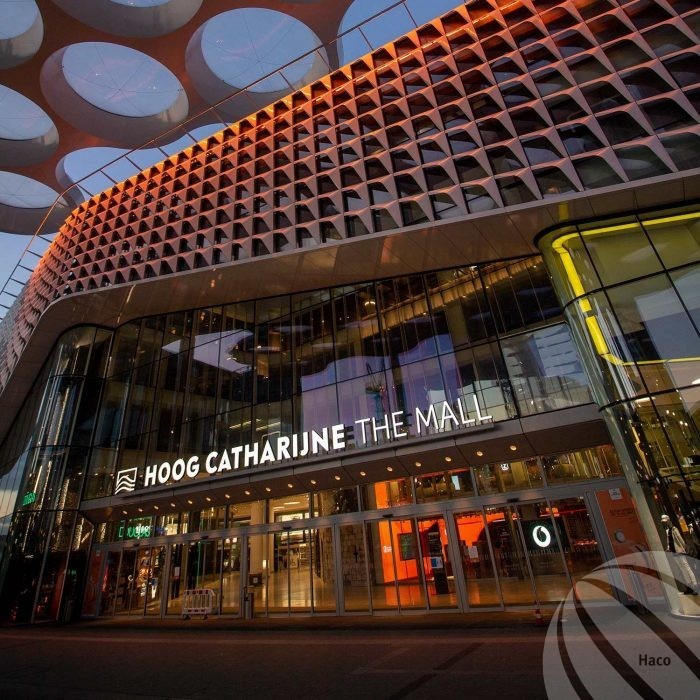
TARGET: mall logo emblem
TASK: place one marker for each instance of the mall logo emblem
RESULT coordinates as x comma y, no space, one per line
126,481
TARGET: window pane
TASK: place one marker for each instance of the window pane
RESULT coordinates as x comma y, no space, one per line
596,463
677,239
477,563
620,252
545,370
459,307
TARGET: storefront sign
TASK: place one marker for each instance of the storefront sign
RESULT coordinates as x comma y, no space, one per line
29,498
135,529
541,536
280,448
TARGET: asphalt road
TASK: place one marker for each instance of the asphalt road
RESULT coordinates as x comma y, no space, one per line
80,663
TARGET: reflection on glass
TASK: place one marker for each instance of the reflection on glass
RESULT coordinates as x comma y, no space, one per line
508,476
620,252
542,535
386,494
687,284
252,371
396,578
437,567
459,306
476,560
676,238
653,321
509,556
595,463
545,370
581,550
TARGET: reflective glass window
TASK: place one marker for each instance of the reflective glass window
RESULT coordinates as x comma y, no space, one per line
236,361
124,347
545,370
520,294
359,349
679,417
316,408
654,324
312,332
405,319
477,376
418,385
676,238
620,252
595,463
687,284
459,307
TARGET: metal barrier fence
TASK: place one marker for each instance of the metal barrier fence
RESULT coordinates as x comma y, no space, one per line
198,601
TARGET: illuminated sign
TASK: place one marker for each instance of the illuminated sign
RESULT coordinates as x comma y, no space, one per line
29,498
126,480
541,536
436,418
136,530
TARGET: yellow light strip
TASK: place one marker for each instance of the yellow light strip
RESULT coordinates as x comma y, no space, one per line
671,219
609,229
591,320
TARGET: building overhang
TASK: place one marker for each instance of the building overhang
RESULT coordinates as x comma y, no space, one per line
505,441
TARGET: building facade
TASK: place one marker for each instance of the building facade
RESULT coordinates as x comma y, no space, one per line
422,335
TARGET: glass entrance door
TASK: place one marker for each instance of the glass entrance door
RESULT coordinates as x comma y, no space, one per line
322,570
290,583
526,543
353,567
178,553
231,577
126,584
476,560
395,565
110,578
509,556
292,571
155,580
437,566
543,535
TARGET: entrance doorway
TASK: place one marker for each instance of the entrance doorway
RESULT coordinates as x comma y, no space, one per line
460,554
292,570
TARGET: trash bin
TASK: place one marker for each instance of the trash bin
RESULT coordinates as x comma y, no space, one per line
248,603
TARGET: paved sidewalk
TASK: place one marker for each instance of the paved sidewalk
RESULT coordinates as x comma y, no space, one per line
521,619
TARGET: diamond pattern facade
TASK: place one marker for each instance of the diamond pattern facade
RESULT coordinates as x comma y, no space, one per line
496,104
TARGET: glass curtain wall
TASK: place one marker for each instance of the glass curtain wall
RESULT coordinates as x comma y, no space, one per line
631,290
487,339
45,462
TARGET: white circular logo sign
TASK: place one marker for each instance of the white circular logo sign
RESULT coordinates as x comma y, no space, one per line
541,536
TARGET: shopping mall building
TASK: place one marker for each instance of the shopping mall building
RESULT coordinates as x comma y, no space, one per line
421,334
